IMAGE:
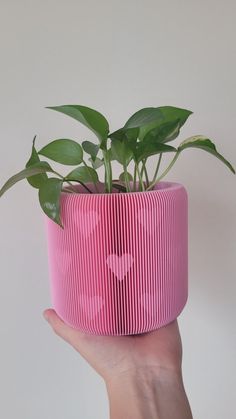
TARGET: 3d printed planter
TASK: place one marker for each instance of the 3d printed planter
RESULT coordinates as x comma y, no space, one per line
120,266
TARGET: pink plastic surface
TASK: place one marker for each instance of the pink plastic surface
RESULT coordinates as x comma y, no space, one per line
120,266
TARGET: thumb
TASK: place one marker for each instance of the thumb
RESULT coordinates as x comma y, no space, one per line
66,332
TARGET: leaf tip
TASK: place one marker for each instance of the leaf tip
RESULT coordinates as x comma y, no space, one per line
51,107
34,139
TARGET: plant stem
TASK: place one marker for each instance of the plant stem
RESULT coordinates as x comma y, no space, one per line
135,177
81,183
62,177
143,166
157,168
71,184
108,172
165,171
141,185
65,189
85,186
126,178
144,169
95,185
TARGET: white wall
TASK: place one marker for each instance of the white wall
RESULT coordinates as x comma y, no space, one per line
116,56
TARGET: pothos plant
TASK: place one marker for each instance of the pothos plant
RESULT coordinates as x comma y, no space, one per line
146,133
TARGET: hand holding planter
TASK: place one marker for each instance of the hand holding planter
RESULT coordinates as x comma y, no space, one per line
118,249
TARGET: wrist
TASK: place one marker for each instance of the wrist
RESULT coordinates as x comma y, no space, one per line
137,393
148,375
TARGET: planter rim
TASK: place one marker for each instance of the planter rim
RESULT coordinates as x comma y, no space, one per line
162,186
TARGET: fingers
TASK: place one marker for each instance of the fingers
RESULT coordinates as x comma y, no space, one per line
66,332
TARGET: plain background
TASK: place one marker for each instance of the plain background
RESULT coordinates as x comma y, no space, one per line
117,57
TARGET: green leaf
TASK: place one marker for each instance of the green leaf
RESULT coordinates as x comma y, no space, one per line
127,136
83,174
63,151
122,177
169,114
121,151
37,168
110,155
37,180
96,163
164,133
92,119
120,187
143,117
138,149
147,149
199,141
90,148
49,198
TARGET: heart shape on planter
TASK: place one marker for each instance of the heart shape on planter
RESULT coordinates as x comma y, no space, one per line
148,301
86,221
91,305
148,219
120,265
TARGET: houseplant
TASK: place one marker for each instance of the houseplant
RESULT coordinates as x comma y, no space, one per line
118,248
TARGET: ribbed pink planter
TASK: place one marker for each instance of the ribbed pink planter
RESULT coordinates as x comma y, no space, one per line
120,266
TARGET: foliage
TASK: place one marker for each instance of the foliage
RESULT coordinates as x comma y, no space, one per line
145,134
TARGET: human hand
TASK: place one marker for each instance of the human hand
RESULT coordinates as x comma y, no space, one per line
142,372
113,356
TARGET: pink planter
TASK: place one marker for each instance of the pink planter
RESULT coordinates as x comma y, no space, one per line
120,266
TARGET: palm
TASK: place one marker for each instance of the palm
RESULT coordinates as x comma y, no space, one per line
117,354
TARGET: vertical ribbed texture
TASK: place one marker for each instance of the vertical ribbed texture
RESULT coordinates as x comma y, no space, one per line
120,266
